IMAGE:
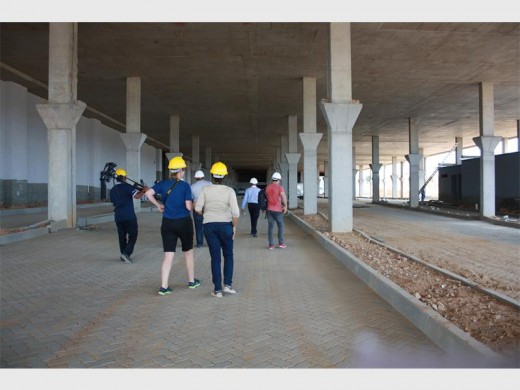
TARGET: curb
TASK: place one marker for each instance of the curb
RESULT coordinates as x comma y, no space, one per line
442,332
24,235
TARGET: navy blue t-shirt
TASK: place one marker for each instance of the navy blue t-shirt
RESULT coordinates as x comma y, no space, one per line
122,195
175,206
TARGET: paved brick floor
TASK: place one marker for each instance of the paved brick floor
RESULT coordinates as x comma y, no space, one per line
67,301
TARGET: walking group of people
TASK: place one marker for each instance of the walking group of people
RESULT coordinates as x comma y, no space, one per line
215,211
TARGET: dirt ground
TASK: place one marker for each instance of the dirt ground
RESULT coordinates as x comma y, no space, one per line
486,319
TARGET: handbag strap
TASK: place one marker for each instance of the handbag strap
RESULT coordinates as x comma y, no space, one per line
170,190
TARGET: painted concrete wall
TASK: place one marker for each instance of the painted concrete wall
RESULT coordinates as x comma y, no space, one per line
24,152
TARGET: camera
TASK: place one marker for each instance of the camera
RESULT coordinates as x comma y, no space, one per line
109,172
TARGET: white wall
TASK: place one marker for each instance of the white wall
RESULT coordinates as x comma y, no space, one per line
24,148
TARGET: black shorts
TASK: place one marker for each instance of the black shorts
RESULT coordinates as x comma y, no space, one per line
172,229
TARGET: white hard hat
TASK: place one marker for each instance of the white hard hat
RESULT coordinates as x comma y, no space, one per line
276,176
199,174
253,180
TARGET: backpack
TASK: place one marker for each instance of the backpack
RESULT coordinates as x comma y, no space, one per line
262,200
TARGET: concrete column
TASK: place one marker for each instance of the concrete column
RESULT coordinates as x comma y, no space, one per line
354,172
375,167
284,165
133,138
175,134
60,116
487,143
504,145
292,159
310,140
414,158
326,179
394,177
310,143
458,151
341,115
208,158
422,165
158,164
401,179
361,180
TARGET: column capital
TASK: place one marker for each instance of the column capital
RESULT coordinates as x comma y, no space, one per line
171,155
375,168
340,116
414,158
133,141
61,115
487,143
292,158
310,141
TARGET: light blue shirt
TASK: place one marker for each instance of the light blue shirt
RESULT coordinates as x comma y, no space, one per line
251,195
197,187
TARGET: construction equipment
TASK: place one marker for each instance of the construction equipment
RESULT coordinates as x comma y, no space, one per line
438,166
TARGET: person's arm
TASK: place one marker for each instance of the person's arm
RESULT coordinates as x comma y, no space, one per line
199,205
284,202
235,223
189,204
150,192
245,200
235,211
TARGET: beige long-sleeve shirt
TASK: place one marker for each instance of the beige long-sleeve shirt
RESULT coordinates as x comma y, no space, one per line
219,203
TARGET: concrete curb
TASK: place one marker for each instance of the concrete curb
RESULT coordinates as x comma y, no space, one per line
441,331
94,219
24,235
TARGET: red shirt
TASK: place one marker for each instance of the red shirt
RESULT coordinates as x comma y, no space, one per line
274,193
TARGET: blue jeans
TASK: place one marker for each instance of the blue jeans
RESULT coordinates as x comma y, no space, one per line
219,236
197,219
272,217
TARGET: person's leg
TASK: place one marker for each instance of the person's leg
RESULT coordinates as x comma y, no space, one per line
190,265
121,232
185,233
214,250
132,230
279,222
270,227
166,267
199,237
254,211
251,217
226,239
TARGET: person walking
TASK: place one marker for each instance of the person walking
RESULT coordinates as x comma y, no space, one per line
251,199
276,208
196,187
176,224
122,196
218,203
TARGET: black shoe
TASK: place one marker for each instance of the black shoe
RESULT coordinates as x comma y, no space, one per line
164,291
194,284
254,235
126,258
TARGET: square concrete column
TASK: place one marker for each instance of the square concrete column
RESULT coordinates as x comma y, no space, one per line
293,159
326,179
354,173
310,143
487,143
394,177
414,160
284,165
361,180
375,167
401,180
158,164
133,138
60,116
422,165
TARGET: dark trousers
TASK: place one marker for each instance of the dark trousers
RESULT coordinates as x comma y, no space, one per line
254,213
127,231
198,219
219,236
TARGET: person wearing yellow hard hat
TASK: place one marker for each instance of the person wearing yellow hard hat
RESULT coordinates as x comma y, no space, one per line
121,196
251,200
218,204
177,203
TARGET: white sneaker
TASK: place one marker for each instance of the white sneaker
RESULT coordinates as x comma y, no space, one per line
229,290
217,294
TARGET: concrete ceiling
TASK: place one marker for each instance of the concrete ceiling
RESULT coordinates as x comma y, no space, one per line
234,84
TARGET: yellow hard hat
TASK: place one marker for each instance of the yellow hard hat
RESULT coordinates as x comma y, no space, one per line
120,172
176,163
219,170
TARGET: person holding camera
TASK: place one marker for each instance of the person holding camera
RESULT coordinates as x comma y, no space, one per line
177,204
122,195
